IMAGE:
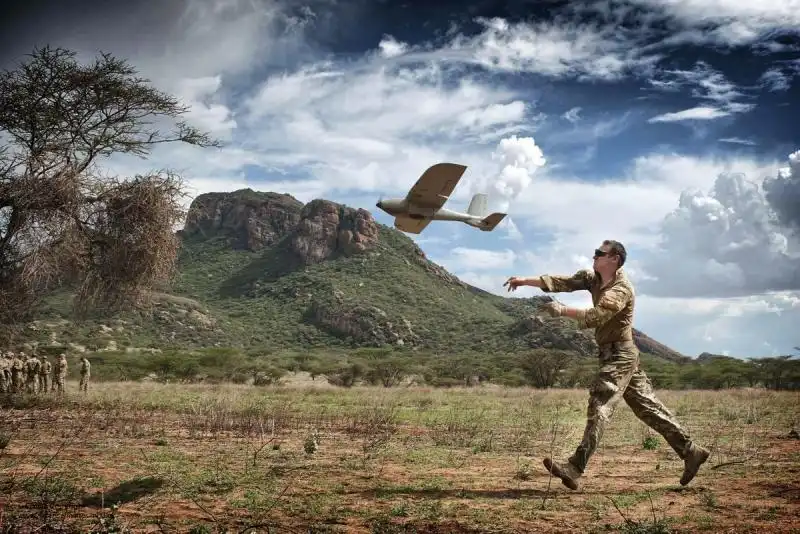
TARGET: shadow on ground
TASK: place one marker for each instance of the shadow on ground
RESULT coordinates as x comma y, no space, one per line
125,492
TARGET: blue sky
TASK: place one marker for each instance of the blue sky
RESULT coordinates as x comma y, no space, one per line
669,125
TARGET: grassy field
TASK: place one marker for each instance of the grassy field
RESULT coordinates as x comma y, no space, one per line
144,457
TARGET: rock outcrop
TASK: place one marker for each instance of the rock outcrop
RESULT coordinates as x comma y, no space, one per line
248,219
327,229
251,220
362,323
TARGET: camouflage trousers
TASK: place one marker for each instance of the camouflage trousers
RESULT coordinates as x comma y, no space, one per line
58,384
44,383
621,378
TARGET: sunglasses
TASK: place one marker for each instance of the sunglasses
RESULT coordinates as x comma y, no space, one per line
600,253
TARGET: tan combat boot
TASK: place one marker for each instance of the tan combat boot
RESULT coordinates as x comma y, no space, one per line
695,457
567,472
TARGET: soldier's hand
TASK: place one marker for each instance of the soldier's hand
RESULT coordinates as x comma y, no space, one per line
552,308
514,282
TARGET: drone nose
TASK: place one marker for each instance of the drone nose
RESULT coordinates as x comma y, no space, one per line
378,205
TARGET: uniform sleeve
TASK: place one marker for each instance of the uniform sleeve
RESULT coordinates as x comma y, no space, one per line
567,284
614,300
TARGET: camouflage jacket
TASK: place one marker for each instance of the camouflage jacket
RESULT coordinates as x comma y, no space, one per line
611,314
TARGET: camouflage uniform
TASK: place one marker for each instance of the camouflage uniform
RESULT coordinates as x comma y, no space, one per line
5,368
619,376
28,373
44,375
61,373
36,366
86,373
17,373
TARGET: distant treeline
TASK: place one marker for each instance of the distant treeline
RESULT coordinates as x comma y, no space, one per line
387,367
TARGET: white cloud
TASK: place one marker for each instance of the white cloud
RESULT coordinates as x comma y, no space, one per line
708,85
391,47
725,22
511,230
572,115
559,49
519,158
783,192
205,110
775,79
697,113
737,141
463,258
726,241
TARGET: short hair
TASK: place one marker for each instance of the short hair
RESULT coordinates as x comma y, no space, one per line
618,249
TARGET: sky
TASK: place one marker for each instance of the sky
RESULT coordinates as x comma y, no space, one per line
669,125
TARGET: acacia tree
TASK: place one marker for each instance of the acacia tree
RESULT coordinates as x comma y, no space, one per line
61,220
542,367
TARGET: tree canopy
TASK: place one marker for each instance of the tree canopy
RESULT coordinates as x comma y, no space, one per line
62,221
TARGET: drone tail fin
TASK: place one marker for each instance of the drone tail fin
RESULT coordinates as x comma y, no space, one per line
478,207
489,222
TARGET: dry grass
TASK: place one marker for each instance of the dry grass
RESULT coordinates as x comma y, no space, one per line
178,458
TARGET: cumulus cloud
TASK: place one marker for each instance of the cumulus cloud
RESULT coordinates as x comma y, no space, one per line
727,242
391,47
783,192
519,158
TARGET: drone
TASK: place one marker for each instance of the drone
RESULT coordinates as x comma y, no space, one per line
425,200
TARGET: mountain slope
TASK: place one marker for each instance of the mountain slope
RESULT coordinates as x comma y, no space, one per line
264,271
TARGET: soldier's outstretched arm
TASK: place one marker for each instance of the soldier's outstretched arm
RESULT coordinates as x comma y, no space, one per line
614,300
550,283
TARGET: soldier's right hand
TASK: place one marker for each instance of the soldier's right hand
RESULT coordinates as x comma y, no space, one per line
514,282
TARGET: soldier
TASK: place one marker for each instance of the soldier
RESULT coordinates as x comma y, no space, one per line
17,372
35,366
61,373
5,364
44,375
620,376
86,373
27,371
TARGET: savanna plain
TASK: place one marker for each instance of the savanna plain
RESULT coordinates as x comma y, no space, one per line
305,457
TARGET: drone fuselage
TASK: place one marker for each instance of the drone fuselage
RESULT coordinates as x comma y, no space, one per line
401,207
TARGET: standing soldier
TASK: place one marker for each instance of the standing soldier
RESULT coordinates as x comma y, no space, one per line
5,364
17,372
86,372
620,376
36,365
61,373
44,375
30,373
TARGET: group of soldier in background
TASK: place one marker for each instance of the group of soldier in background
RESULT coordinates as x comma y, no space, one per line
27,373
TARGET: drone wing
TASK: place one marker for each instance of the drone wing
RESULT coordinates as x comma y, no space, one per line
435,185
412,226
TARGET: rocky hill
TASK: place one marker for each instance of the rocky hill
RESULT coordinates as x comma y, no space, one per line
265,271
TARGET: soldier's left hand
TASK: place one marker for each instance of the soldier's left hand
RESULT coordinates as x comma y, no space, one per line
553,309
